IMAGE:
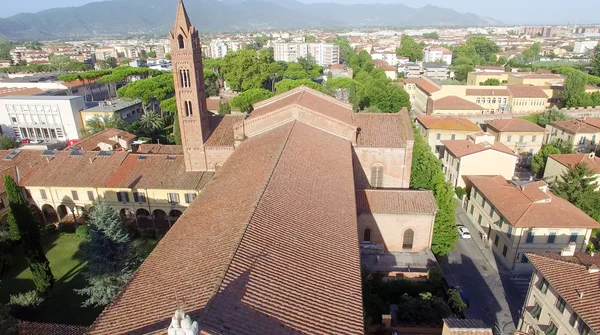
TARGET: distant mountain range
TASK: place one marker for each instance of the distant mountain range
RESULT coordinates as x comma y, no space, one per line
119,17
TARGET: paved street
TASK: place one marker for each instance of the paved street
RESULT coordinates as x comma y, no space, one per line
494,294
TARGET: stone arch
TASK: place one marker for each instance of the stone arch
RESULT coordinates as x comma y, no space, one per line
159,214
62,211
367,235
50,214
144,219
161,220
125,213
142,212
408,239
174,215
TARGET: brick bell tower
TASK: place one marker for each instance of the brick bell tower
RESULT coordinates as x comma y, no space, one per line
188,77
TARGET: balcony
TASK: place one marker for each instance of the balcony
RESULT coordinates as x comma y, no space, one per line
551,329
534,311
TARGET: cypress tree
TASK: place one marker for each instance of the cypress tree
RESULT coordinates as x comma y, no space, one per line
110,255
30,237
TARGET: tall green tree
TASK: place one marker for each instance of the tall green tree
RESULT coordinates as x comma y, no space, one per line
289,84
576,184
60,63
409,48
211,81
245,100
110,255
275,71
99,123
149,90
551,115
30,237
574,90
538,162
426,173
246,69
595,64
224,108
491,82
7,142
346,50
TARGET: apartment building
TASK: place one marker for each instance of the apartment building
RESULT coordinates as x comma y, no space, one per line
217,49
557,165
411,70
436,129
128,111
102,53
477,155
527,99
563,294
581,47
580,134
324,54
519,218
42,118
437,54
522,136
436,71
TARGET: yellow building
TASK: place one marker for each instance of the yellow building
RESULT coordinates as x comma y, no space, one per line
478,78
129,111
535,79
521,136
436,129
581,135
557,165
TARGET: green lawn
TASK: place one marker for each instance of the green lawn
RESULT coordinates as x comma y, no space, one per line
63,305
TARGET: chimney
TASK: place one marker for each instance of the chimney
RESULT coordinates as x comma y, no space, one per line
592,155
569,251
386,320
181,324
593,268
580,294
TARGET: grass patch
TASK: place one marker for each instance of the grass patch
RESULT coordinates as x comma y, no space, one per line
63,305
533,118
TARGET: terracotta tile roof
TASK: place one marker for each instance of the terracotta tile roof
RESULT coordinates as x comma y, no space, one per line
485,67
383,130
411,80
447,123
261,254
382,64
426,86
308,98
222,130
592,121
453,102
461,148
575,126
91,143
569,276
38,328
502,92
526,91
23,163
395,201
160,149
570,160
77,83
515,125
538,76
56,171
489,74
159,171
12,91
527,206
467,327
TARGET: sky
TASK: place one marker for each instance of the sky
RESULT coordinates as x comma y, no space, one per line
507,11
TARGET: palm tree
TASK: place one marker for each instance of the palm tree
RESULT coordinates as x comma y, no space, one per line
151,123
99,123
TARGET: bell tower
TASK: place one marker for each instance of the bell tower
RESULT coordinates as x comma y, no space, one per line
188,77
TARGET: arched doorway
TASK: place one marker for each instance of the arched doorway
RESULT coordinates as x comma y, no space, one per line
174,216
50,215
367,235
161,220
127,217
62,212
143,218
407,239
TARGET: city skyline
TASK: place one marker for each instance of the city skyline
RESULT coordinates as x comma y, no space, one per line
511,12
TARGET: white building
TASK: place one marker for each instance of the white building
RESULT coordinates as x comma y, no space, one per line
584,46
42,118
437,54
218,49
324,54
102,53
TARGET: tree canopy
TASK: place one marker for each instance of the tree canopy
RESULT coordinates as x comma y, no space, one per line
246,99
159,88
409,48
550,115
576,184
246,69
538,162
574,90
491,82
289,84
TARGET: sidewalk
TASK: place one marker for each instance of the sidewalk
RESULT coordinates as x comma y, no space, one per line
476,232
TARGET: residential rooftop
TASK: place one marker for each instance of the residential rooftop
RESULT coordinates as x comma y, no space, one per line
453,102
462,148
447,123
112,105
570,160
515,125
575,126
41,97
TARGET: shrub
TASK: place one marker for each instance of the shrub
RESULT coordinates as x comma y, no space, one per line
82,232
160,233
457,305
148,233
66,228
49,229
24,304
435,277
133,233
460,192
3,264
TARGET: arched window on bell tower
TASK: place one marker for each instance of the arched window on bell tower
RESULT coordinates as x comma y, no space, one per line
188,108
184,76
180,42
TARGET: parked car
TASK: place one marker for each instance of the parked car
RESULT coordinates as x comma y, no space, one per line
464,232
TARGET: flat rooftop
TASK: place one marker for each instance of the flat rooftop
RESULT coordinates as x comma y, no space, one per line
112,105
41,97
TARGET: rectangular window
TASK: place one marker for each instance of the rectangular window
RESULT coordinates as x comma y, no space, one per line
492,212
453,137
543,286
510,231
508,138
504,251
583,328
189,197
74,195
43,194
500,222
536,311
123,196
521,139
472,209
560,304
483,203
480,218
173,198
573,237
552,330
139,197
496,239
530,237
474,194
573,319
438,136
90,195
551,238
533,138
